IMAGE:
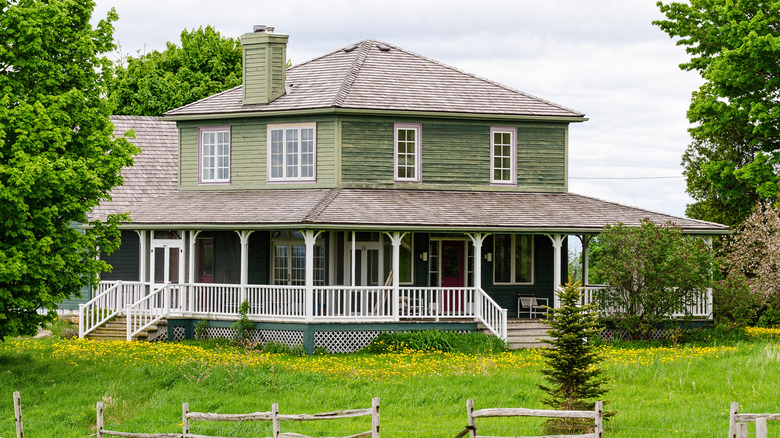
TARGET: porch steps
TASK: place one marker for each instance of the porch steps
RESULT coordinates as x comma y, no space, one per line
526,333
116,330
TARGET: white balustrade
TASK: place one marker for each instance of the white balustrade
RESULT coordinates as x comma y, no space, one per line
148,310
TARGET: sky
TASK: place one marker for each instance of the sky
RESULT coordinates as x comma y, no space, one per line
600,57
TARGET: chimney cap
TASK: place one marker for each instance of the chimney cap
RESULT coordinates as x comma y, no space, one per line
262,28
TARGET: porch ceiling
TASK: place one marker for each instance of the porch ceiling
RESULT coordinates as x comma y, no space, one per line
394,209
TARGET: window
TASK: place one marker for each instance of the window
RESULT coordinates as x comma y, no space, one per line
503,156
289,251
214,155
292,152
407,153
513,259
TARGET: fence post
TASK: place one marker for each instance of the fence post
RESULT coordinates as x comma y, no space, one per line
375,417
99,425
185,421
599,418
761,428
472,420
18,415
276,428
742,430
732,421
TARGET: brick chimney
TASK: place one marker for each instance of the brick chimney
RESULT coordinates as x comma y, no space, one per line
265,65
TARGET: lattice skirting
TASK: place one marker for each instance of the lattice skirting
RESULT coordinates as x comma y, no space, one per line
656,335
344,341
179,334
290,338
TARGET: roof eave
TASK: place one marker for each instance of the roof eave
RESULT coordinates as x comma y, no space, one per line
379,112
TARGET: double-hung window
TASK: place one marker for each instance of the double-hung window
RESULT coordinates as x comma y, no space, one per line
503,156
214,155
513,259
408,153
292,152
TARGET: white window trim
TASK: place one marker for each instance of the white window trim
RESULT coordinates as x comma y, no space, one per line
512,260
201,169
513,160
285,179
418,151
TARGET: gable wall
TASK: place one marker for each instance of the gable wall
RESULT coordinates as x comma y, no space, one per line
455,154
249,150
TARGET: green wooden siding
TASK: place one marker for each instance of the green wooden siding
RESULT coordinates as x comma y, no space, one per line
454,154
248,151
264,66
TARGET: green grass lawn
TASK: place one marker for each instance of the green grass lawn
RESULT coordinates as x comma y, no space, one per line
658,391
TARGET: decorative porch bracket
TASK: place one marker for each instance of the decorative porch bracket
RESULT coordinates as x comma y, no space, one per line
243,236
396,238
310,238
557,241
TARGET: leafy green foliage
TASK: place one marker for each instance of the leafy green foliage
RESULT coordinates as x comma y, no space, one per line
734,45
243,326
734,302
435,340
205,64
652,272
57,156
573,380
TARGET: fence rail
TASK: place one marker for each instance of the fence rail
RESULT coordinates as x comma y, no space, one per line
738,422
597,415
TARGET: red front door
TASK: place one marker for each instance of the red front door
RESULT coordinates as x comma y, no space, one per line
453,274
206,260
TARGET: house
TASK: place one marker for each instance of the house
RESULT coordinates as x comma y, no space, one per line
367,190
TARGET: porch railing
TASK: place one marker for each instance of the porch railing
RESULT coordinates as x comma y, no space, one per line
149,309
144,306
700,308
111,298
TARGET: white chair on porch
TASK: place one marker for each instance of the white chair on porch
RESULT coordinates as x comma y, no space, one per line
532,305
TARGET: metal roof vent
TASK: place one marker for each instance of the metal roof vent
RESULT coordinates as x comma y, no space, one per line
350,48
383,47
262,28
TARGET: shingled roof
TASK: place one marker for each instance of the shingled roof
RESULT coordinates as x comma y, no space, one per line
376,76
155,169
391,209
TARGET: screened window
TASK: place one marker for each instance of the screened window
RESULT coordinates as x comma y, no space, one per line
407,153
513,259
292,152
215,155
503,156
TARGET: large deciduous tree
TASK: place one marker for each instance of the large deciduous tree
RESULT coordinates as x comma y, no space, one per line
652,272
205,64
733,159
58,158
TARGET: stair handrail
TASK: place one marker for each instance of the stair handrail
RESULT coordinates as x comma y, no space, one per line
143,313
493,316
105,305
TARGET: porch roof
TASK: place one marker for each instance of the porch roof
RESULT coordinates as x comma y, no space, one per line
396,209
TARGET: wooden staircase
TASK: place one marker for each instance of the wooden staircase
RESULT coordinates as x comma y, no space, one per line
525,333
116,330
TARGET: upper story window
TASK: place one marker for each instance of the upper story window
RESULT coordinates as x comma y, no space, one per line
408,153
513,259
214,155
292,152
503,156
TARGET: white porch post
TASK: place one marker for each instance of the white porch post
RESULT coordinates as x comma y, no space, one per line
192,250
243,235
395,239
585,259
142,255
557,241
352,262
477,239
309,238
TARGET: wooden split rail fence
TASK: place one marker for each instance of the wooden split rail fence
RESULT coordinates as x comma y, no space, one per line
597,415
738,422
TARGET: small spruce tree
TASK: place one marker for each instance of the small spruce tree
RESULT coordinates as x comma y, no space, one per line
573,381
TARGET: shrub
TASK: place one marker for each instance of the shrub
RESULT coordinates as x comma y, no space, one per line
435,340
734,302
243,326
